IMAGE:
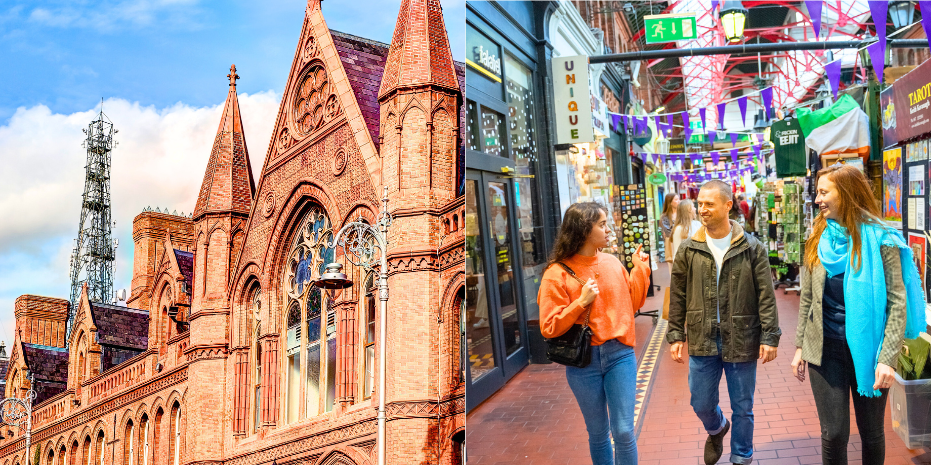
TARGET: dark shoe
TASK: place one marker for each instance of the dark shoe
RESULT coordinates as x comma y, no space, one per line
714,445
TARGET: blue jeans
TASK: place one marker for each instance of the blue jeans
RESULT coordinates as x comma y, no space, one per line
704,378
606,391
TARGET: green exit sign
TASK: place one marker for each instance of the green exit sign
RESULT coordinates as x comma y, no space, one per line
670,28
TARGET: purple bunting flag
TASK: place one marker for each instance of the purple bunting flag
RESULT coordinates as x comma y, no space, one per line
734,137
877,56
721,107
767,95
814,12
616,122
734,155
685,125
756,150
701,112
926,18
742,104
662,158
714,4
715,158
832,70
878,10
624,120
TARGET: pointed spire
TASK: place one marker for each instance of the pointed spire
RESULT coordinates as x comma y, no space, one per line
228,184
419,53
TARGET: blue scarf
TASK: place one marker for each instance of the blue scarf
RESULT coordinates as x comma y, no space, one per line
865,293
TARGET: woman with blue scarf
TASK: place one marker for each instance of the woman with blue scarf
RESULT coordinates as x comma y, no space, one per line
860,296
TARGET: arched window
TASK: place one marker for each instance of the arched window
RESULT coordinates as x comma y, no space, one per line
86,451
61,455
144,440
129,444
73,455
174,435
50,459
98,448
156,457
311,326
368,384
257,382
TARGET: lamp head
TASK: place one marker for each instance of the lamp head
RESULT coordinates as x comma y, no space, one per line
733,18
334,278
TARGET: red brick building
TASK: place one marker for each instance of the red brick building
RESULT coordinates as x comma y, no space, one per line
225,352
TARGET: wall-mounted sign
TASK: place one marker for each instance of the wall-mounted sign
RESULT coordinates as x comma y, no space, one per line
656,179
572,101
669,28
483,55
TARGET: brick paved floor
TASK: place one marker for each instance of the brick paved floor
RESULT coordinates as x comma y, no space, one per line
535,420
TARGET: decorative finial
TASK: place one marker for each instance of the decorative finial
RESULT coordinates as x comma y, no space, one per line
233,76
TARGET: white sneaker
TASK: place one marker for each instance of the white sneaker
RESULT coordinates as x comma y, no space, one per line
483,323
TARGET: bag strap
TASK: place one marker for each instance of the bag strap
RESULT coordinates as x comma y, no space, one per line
577,278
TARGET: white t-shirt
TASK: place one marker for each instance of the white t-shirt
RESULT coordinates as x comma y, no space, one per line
718,249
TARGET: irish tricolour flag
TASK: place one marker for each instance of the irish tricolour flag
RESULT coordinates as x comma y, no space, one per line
840,128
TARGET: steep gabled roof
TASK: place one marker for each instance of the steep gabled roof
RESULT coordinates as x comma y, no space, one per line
186,265
228,184
121,326
49,365
364,62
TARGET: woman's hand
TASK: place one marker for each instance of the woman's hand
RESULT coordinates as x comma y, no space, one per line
639,256
589,291
799,365
884,376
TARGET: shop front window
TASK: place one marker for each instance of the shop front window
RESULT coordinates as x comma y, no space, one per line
521,124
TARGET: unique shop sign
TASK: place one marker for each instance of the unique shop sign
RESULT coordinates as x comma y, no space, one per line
572,101
657,179
670,28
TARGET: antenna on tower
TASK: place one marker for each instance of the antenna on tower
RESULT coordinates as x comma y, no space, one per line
93,254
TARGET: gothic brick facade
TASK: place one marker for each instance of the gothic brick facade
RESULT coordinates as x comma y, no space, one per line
226,352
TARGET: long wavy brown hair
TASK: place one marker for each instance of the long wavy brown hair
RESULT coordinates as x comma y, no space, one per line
667,204
856,207
576,225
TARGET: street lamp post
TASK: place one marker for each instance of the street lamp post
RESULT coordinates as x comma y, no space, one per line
367,246
17,412
733,18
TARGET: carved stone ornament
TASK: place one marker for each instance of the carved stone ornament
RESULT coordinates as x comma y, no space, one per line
339,162
310,48
269,206
313,102
284,140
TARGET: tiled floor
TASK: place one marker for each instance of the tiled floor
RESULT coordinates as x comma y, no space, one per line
535,420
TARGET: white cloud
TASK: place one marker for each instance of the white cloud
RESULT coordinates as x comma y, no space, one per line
159,161
112,15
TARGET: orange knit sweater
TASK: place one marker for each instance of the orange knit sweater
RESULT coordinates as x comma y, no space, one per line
613,309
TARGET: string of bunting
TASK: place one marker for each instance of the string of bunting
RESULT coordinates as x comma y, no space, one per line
664,121
696,158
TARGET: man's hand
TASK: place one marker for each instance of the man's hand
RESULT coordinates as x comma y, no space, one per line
799,365
677,352
767,353
884,376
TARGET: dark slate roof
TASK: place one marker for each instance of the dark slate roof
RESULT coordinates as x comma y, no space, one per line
121,326
364,61
186,263
47,363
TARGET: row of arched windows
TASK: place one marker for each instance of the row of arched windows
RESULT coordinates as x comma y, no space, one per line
140,443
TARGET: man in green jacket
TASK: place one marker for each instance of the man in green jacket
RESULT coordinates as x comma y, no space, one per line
723,304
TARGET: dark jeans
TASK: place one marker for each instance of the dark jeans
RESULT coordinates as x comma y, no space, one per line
704,380
606,392
832,384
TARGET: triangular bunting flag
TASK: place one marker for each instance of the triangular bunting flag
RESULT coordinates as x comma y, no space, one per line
767,95
715,158
734,137
704,127
742,104
721,107
926,18
877,56
685,125
832,70
814,12
734,155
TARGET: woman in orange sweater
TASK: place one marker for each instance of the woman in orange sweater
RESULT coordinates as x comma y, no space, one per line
605,389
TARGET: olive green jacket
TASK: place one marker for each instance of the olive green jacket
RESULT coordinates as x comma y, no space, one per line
749,316
809,336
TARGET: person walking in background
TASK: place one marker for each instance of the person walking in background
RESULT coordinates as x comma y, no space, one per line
723,305
686,224
859,285
605,389
666,221
744,206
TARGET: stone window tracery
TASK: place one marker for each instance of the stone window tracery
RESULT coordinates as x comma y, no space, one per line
310,383
313,102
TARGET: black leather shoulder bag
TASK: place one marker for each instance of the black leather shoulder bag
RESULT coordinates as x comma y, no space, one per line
574,348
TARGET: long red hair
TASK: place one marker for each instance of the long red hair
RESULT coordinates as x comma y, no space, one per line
856,207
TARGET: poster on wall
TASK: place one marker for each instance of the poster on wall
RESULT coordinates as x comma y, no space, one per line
918,243
892,186
911,102
887,104
916,179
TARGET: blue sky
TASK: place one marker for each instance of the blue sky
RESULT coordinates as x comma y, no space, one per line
68,54
160,66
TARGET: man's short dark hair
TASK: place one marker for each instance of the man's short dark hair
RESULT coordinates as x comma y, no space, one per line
722,187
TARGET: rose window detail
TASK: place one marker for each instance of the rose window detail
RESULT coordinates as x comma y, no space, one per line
313,102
